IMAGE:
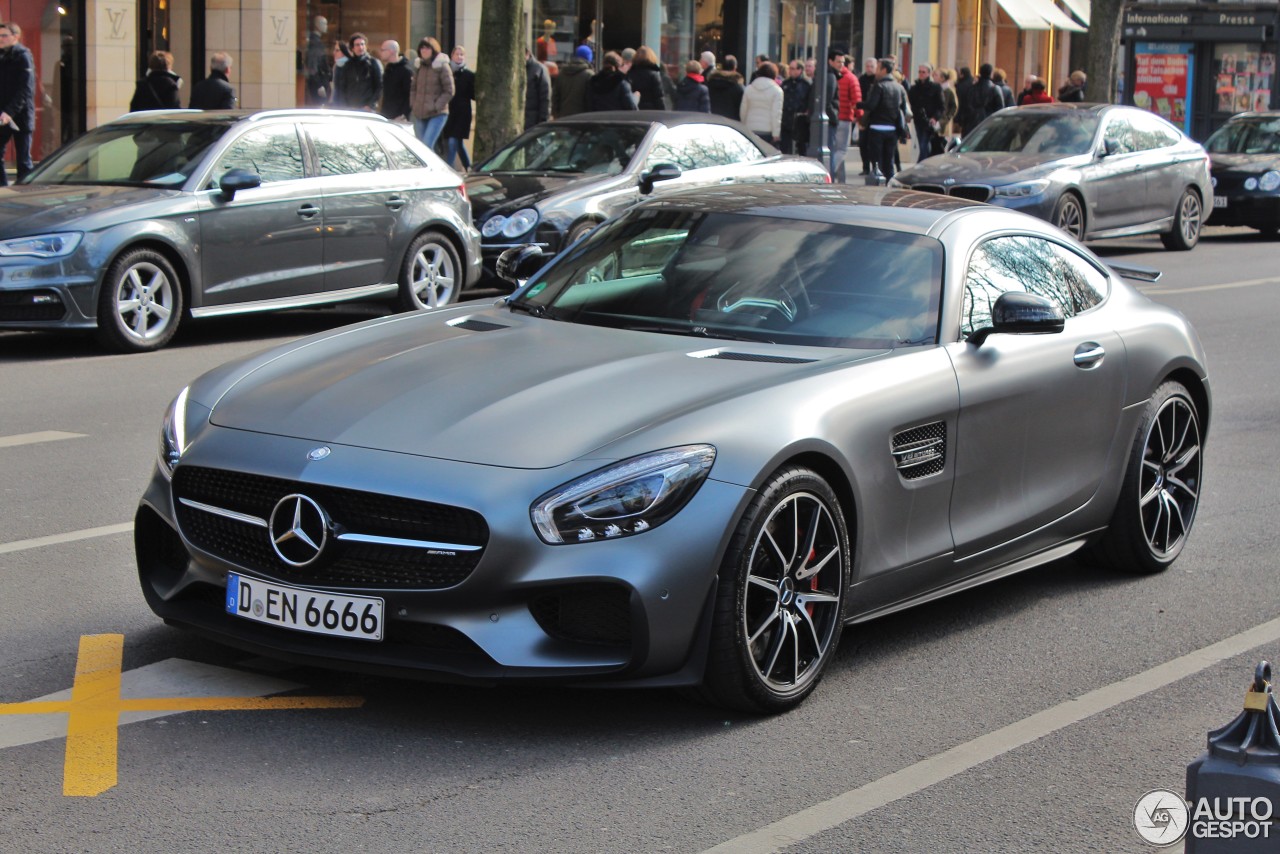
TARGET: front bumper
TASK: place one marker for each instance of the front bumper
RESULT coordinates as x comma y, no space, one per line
632,609
1257,209
47,293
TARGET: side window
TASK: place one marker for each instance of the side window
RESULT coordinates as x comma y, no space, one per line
1150,132
401,156
1033,265
679,145
273,152
1120,136
725,146
347,148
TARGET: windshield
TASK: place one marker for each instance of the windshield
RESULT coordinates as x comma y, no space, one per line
1034,132
748,277
594,149
136,154
1246,137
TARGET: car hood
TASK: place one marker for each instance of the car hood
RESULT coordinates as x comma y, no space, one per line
509,192
34,208
523,393
1249,164
991,166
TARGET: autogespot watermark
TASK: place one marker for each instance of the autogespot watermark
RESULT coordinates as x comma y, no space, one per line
1163,818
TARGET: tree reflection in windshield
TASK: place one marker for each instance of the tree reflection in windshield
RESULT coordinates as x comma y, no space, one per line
603,150
1246,137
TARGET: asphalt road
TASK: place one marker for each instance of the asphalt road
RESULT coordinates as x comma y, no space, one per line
1027,715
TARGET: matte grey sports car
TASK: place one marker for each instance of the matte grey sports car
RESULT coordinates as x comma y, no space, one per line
561,179
687,452
1093,170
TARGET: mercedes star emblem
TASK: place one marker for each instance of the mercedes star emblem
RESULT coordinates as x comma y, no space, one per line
299,529
319,453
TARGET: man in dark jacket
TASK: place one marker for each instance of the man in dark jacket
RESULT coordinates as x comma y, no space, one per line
725,87
984,98
158,90
215,92
926,107
609,90
831,109
537,91
795,109
458,126
17,99
964,110
569,92
360,86
884,110
866,80
691,94
397,77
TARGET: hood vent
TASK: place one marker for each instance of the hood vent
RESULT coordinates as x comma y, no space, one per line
474,324
752,357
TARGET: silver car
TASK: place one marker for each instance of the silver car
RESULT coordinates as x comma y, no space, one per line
688,452
158,215
1094,170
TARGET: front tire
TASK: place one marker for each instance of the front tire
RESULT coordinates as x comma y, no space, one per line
1161,489
430,275
781,599
1187,220
1068,215
140,304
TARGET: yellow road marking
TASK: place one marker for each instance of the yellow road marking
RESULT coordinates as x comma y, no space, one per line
93,713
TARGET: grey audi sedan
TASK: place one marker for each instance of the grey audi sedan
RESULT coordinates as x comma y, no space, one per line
687,452
1093,170
158,216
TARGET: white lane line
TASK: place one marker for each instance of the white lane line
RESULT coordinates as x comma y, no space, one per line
1243,283
915,778
69,537
36,438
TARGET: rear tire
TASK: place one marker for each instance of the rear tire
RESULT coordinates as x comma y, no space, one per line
430,275
140,303
780,603
1069,216
1161,489
1187,222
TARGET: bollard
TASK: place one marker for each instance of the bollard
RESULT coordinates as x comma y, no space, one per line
1233,788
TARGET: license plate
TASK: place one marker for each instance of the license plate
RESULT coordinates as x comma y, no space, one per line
303,610
1219,201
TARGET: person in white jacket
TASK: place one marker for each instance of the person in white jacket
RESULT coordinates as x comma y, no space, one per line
762,104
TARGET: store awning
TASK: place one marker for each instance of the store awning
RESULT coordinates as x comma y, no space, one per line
1039,15
1079,8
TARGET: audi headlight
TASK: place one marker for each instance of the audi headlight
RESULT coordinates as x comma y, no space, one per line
1023,189
1269,181
173,433
493,226
520,222
623,499
42,245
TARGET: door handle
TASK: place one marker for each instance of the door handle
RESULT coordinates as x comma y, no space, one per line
1089,355
308,210
728,180
395,203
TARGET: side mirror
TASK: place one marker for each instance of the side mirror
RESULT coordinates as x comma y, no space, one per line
519,263
1021,314
661,172
953,143
236,180
1110,147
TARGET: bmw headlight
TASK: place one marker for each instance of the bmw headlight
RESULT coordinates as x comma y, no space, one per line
493,226
1023,189
173,433
42,245
1269,181
623,499
520,222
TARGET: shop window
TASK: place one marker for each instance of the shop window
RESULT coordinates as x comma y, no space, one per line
1245,77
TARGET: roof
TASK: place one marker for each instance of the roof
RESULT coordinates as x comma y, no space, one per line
666,117
229,116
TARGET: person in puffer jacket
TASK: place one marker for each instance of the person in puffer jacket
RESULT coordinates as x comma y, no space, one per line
431,91
761,107
609,90
645,77
691,93
725,87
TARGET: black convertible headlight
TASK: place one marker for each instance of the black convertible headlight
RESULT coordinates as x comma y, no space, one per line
623,499
173,433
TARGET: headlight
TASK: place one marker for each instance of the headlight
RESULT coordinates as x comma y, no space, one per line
520,222
623,499
173,433
493,226
1269,181
1023,189
42,245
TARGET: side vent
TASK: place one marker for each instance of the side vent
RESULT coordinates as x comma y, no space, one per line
920,451
474,324
752,357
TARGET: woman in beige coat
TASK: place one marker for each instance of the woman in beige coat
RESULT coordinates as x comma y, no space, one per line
431,91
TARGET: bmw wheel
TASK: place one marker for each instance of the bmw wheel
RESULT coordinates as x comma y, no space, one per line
1161,488
1187,220
1068,215
429,275
140,304
780,604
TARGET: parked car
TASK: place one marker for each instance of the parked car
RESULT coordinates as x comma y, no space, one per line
1093,170
1245,163
688,451
560,179
158,215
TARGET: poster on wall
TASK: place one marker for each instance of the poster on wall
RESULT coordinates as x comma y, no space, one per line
1162,81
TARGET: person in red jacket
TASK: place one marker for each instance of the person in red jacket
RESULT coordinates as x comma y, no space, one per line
1037,94
849,92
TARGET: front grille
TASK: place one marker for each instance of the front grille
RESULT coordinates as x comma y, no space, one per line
929,188
22,306
344,563
588,613
921,451
972,192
